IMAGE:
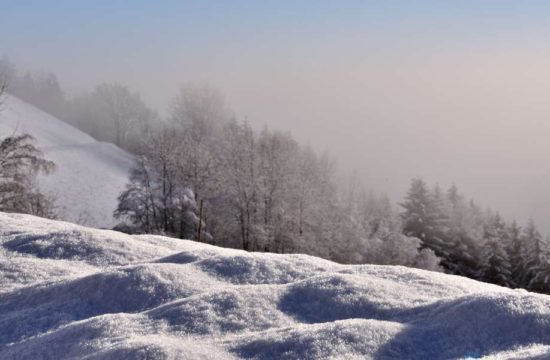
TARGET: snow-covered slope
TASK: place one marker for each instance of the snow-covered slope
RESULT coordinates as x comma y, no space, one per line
69,292
90,174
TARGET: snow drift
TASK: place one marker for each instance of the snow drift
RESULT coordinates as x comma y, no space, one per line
67,291
90,174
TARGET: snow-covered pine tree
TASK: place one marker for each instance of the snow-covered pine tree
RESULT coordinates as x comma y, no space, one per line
495,265
461,235
416,211
423,217
541,280
514,247
531,254
137,202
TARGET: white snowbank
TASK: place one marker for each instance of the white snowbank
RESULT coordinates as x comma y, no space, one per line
90,174
71,292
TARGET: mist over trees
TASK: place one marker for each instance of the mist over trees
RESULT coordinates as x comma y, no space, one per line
476,243
202,174
260,191
110,112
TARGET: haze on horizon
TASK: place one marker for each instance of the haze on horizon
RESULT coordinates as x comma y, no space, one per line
451,92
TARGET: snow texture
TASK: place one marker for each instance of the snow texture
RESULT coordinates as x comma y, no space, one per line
90,174
70,292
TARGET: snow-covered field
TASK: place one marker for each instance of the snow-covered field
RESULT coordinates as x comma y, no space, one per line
70,292
90,174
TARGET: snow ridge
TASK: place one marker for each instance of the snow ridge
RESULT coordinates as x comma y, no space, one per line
68,292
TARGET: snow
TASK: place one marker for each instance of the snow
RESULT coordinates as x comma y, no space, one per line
68,291
90,174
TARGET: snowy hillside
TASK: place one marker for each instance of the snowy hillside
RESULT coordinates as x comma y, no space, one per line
72,292
90,174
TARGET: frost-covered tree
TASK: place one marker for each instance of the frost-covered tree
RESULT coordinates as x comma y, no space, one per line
462,234
198,117
155,199
516,253
495,265
531,254
423,217
241,172
138,202
276,166
540,281
20,164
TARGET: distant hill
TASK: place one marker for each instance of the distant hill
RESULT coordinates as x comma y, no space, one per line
90,174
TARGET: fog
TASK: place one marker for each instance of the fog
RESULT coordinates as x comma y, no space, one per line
459,96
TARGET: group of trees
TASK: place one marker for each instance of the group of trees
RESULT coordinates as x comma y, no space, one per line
202,174
476,243
110,112
20,164
40,89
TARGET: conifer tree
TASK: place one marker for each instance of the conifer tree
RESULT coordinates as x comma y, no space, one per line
531,254
495,264
515,254
423,217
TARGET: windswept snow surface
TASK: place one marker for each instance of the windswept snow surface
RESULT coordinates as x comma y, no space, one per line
90,174
70,292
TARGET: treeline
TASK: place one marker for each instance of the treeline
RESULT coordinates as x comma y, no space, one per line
475,243
204,175
110,112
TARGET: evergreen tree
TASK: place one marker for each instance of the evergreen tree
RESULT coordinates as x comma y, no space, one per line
423,217
515,254
462,249
531,254
541,279
495,264
138,202
416,214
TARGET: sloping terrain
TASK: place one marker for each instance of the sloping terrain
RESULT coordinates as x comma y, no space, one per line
70,292
90,174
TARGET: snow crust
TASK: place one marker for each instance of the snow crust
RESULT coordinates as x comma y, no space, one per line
71,292
90,174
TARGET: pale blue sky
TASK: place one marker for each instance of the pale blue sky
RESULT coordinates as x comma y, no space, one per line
454,91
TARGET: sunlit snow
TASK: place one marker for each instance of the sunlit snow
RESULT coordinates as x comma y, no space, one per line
70,292
90,174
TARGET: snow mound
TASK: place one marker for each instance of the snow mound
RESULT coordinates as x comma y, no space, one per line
90,174
69,292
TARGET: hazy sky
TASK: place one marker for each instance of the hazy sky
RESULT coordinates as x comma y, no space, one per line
452,91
